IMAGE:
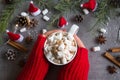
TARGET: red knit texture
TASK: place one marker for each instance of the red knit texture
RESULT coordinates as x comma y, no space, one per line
37,66
77,69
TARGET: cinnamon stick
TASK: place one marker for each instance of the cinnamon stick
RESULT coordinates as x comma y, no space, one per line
116,49
112,59
17,45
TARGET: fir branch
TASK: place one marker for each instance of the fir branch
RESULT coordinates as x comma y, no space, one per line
102,13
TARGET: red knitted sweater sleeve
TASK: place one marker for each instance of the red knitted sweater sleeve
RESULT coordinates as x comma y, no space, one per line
77,69
37,66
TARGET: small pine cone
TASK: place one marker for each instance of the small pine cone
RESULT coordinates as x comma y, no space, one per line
22,21
10,54
28,39
78,18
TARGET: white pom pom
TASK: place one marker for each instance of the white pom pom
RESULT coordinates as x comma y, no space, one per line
7,31
81,5
31,2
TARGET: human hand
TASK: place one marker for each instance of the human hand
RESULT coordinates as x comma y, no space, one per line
79,42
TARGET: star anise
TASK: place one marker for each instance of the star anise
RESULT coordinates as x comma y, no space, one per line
112,69
118,58
101,39
78,18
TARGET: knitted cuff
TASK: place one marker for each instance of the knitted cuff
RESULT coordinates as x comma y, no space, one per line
77,69
37,66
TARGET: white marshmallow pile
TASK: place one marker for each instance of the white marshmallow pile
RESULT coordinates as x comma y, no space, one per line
60,48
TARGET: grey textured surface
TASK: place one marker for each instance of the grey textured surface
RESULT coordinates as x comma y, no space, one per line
10,69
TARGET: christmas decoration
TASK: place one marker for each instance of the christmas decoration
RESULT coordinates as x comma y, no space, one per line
22,21
15,37
115,3
118,58
90,5
28,39
112,69
78,18
10,54
62,22
101,39
33,9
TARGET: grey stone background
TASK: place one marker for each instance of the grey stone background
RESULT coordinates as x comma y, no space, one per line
10,69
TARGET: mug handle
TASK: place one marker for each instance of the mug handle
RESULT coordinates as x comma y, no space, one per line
74,29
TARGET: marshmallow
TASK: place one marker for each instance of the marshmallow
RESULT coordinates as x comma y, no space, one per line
68,56
45,11
22,29
44,31
60,55
59,36
24,14
85,11
46,18
56,61
63,60
102,30
72,48
97,48
51,38
61,47
49,55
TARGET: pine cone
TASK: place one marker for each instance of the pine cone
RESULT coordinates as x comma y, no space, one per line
22,21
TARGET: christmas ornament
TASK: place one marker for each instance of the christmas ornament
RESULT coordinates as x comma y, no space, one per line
33,9
118,58
10,54
90,5
62,22
28,39
15,37
112,69
78,18
115,3
101,39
